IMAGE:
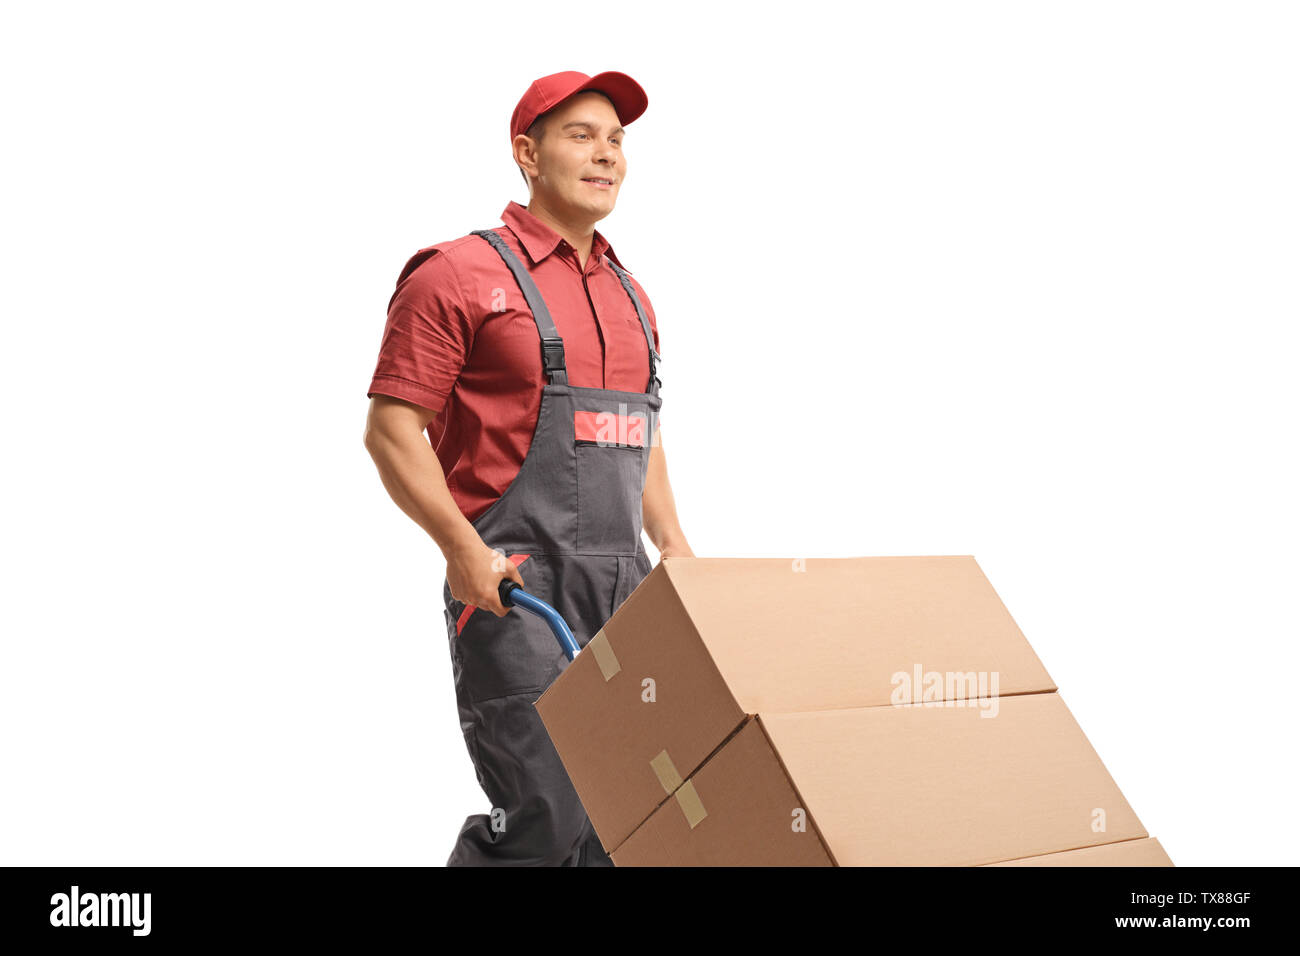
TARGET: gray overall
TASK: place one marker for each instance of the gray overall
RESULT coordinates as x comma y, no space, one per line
571,522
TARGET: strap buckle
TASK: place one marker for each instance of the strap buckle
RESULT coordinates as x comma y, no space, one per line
553,353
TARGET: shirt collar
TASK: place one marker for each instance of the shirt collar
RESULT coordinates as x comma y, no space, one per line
539,240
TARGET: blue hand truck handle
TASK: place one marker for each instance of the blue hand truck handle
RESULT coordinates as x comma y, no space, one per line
512,595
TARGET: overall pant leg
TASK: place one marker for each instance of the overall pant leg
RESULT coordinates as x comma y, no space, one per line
536,817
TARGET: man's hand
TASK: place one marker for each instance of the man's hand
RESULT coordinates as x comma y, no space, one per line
475,572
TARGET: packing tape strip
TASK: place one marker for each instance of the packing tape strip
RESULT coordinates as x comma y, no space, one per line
606,660
690,803
667,773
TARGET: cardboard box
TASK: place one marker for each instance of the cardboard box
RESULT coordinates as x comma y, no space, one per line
759,711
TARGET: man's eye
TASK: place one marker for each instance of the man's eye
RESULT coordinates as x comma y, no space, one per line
580,134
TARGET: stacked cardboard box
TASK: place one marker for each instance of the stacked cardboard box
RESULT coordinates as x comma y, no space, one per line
831,711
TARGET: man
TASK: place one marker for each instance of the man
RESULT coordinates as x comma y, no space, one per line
530,355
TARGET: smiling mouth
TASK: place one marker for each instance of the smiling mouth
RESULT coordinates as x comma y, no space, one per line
600,182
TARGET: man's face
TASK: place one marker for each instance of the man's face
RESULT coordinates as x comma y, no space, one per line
583,142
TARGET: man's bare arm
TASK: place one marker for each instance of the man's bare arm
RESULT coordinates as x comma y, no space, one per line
659,510
413,476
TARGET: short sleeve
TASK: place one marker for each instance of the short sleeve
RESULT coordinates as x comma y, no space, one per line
427,337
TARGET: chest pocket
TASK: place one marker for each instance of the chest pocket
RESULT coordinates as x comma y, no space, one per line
612,452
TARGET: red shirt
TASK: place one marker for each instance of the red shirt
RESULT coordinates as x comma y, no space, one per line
450,347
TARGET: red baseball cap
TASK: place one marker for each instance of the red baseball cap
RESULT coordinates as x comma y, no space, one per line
548,92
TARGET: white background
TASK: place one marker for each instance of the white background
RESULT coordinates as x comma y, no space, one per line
1015,280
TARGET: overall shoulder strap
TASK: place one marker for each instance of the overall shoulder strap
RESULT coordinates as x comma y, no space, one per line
653,386
552,344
